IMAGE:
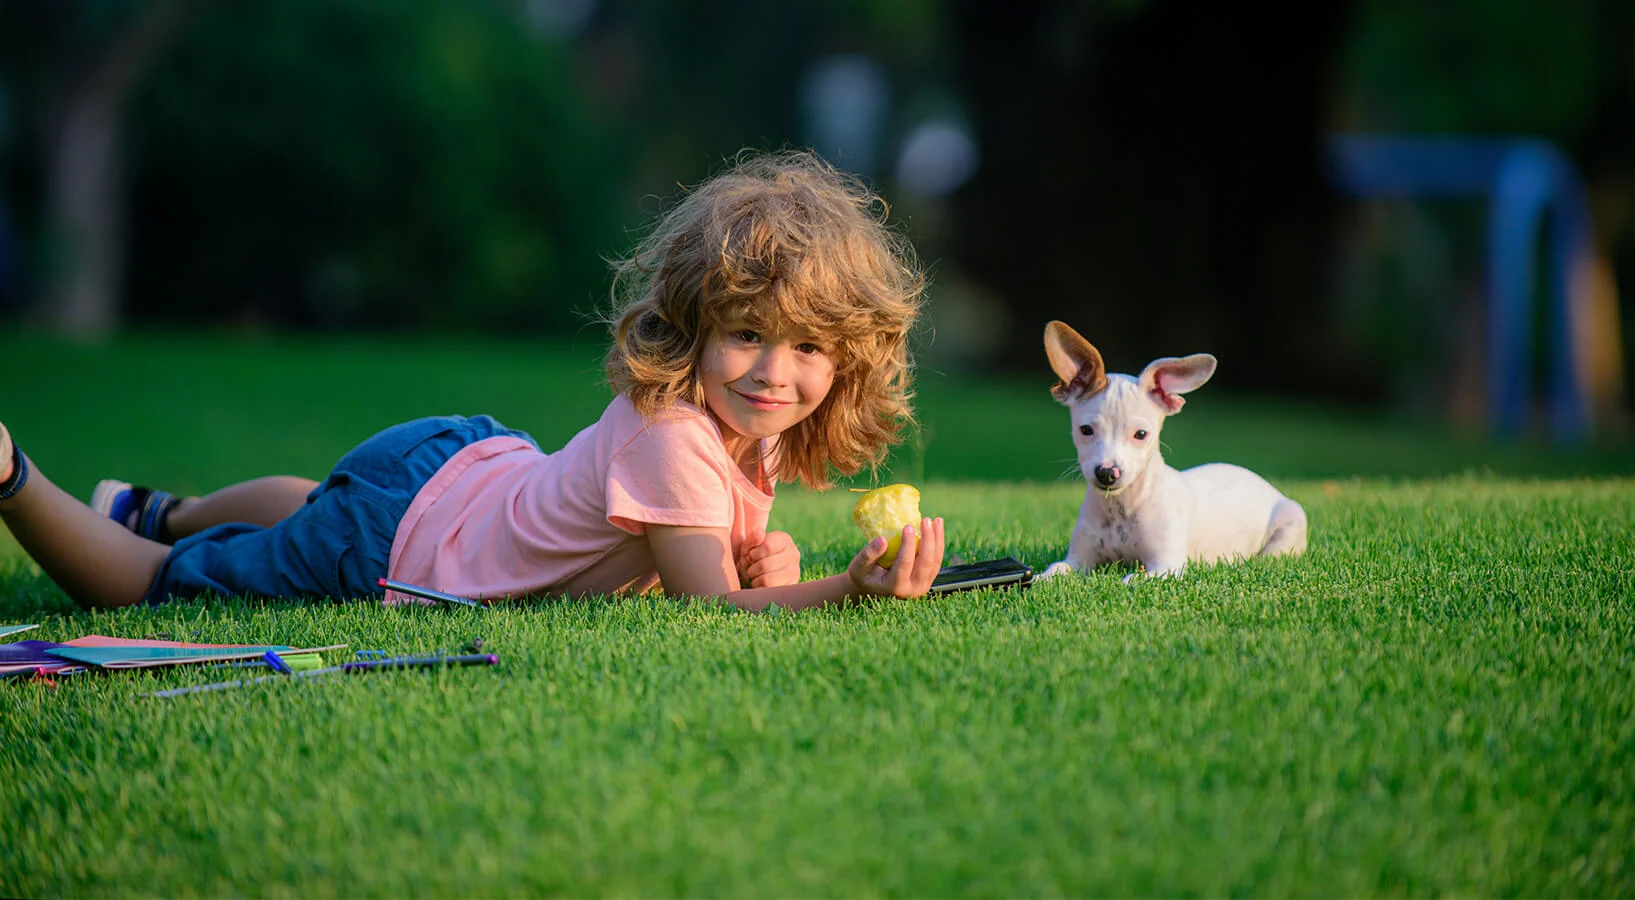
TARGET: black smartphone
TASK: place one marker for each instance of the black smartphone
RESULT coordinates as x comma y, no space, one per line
1001,572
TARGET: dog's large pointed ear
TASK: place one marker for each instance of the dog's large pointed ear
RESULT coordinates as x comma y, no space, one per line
1165,380
1075,362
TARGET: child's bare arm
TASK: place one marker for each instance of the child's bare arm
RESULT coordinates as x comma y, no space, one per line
698,562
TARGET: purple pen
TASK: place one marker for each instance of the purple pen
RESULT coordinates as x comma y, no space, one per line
426,593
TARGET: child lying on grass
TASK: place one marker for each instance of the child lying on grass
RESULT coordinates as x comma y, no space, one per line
759,334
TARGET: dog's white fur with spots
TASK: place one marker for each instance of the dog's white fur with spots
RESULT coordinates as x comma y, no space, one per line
1138,508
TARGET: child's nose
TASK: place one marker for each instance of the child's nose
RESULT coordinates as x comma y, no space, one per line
775,364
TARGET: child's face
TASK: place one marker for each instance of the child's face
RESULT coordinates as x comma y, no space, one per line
758,382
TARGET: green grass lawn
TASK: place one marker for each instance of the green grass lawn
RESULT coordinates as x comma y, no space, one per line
1439,698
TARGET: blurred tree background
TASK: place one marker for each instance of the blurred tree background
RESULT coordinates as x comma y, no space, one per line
1153,171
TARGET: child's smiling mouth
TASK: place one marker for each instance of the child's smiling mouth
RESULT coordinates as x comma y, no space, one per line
766,403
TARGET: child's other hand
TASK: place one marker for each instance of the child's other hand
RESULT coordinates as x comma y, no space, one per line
769,560
918,562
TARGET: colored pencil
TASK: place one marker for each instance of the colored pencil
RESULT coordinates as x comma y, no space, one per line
426,593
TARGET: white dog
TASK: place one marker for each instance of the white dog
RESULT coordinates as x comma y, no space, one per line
1137,508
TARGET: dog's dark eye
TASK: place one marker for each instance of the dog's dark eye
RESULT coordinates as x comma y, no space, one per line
1086,429
1141,434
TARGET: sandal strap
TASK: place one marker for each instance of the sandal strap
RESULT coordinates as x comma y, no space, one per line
19,473
156,506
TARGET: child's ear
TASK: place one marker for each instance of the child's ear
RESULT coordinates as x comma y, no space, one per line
1165,380
1075,362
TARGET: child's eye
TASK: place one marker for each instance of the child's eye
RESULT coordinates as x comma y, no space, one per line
1086,429
1141,434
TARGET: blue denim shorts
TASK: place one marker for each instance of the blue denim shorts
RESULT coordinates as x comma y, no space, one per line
339,543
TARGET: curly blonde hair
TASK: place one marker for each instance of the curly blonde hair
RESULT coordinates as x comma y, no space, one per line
780,240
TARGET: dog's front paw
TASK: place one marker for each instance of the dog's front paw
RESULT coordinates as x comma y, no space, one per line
1056,568
1144,573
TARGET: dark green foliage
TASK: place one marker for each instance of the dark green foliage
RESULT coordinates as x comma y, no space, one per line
407,165
1478,67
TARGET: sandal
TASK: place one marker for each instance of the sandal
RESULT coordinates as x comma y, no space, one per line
139,509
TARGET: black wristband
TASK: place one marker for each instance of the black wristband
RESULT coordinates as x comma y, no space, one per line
19,473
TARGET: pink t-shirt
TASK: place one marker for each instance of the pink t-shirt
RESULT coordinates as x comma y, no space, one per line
501,519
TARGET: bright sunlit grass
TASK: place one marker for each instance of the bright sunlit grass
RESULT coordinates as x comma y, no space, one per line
1434,700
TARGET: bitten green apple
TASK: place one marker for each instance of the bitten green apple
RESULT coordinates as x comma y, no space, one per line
884,511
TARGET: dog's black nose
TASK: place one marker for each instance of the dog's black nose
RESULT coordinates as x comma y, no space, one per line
1106,476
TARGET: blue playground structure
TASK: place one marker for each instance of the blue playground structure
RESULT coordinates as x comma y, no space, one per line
1524,180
